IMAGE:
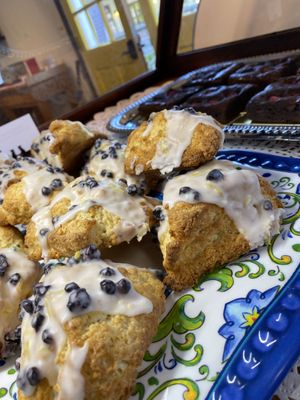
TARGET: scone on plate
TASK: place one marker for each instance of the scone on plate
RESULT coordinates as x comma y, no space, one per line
87,211
17,278
172,140
89,328
35,190
62,145
106,161
211,216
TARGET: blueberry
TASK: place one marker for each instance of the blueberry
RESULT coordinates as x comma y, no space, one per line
215,175
33,376
3,261
132,190
108,286
35,147
90,253
158,214
196,195
103,172
14,279
123,286
50,169
118,145
91,182
27,306
107,271
72,207
47,337
109,174
268,205
44,231
160,274
55,219
71,286
56,184
40,289
122,180
191,110
184,189
78,300
98,143
37,321
16,165
104,156
46,191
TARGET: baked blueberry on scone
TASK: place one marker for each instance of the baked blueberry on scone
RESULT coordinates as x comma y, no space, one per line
63,144
17,277
106,160
87,211
172,140
211,216
87,329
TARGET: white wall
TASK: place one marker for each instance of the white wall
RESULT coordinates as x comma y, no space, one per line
222,21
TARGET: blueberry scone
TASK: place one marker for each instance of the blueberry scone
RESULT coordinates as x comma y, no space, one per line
11,237
35,190
172,140
86,329
62,145
17,277
87,211
106,160
211,216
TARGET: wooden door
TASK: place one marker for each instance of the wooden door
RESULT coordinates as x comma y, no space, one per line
106,40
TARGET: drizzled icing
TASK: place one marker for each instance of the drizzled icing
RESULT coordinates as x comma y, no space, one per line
238,193
33,184
180,126
36,353
11,295
41,149
111,196
97,163
8,173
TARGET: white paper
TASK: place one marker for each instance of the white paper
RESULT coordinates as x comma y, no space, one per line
19,132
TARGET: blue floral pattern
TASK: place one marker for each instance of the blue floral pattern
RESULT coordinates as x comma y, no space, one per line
240,314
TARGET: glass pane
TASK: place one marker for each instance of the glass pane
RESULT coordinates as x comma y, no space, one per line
86,30
75,5
113,19
218,21
98,24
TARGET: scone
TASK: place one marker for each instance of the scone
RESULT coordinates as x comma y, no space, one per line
172,140
87,330
11,237
63,143
12,172
106,160
35,190
211,216
17,277
87,211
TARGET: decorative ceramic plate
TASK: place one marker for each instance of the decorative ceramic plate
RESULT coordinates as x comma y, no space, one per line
235,334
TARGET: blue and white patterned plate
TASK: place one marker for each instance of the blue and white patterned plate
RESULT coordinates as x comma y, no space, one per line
235,334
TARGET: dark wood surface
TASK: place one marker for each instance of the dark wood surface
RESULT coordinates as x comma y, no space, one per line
169,64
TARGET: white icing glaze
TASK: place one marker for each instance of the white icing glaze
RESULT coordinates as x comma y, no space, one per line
40,147
239,194
36,353
109,195
115,165
11,295
180,126
33,184
70,380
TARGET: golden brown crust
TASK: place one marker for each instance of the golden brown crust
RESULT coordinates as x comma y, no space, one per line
200,237
117,344
10,237
95,226
140,149
71,140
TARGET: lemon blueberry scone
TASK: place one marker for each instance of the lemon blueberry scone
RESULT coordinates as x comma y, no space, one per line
35,190
211,216
106,160
63,143
87,329
17,277
87,211
170,140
